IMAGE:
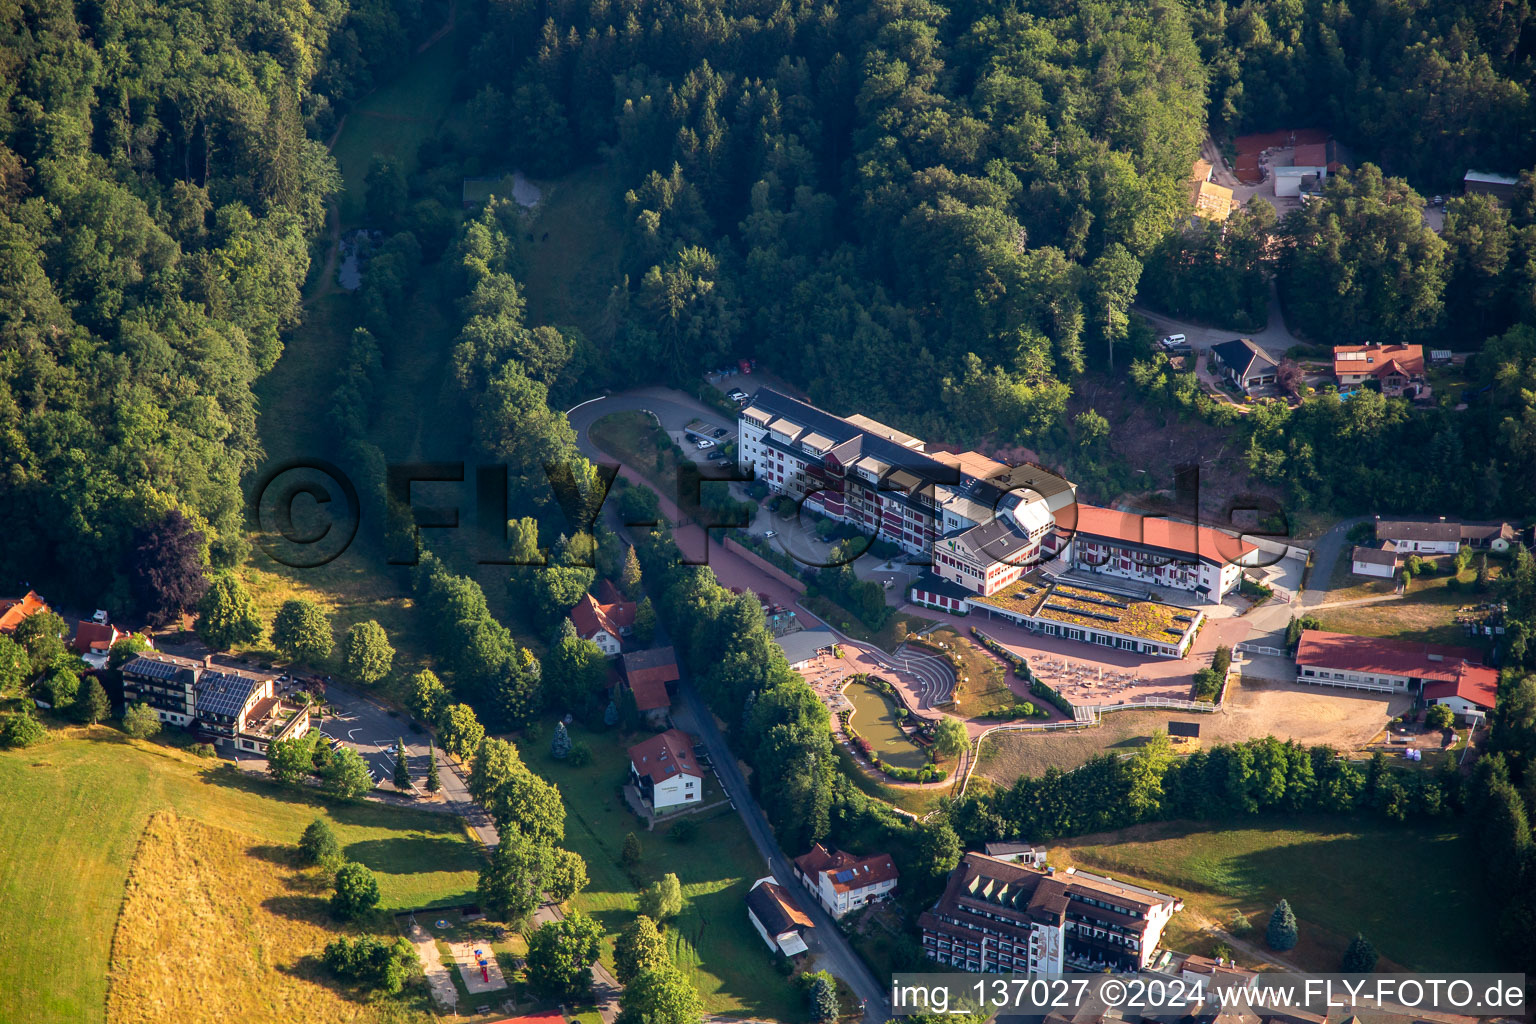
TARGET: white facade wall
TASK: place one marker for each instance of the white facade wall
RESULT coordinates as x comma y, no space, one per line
1351,680
606,642
1462,707
1372,569
1427,547
677,790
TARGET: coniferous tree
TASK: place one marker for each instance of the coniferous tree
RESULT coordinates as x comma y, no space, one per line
433,783
1281,934
402,766
1360,957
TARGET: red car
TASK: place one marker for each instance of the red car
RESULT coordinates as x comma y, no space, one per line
744,366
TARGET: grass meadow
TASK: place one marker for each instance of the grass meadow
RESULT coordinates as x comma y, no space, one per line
76,809
1413,890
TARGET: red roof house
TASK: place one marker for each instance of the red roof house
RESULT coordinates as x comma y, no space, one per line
843,881
1393,366
603,624
94,638
16,610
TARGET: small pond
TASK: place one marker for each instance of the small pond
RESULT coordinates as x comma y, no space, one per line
874,718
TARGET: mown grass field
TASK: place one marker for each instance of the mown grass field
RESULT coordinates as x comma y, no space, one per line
711,940
1414,891
75,807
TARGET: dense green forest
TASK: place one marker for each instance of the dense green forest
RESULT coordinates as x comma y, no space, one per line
158,189
936,213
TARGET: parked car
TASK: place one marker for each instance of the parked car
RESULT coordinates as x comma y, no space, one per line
720,433
737,395
744,366
1172,340
703,443
771,533
716,454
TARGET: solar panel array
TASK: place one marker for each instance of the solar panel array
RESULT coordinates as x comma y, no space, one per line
153,668
223,693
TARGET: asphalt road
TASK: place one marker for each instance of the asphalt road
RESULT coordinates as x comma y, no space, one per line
674,409
371,730
1275,339
826,941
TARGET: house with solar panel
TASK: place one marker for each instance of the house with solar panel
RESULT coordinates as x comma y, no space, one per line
230,707
843,881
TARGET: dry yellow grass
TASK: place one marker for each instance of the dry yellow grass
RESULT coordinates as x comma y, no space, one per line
214,929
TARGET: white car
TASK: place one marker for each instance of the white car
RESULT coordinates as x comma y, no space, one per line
703,443
1172,341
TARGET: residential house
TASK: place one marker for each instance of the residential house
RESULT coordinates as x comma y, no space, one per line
1379,560
843,881
1382,665
651,676
1294,180
1244,364
1395,368
777,917
93,642
999,917
804,646
604,624
1498,538
1211,201
664,771
1437,538
16,610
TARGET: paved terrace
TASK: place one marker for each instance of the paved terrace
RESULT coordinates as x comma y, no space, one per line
1071,665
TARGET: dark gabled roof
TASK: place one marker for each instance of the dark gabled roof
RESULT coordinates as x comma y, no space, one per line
852,441
1436,531
931,583
657,665
1242,355
164,667
223,693
1374,556
776,910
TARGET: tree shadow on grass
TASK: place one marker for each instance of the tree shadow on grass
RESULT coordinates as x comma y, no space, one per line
414,853
300,907
274,853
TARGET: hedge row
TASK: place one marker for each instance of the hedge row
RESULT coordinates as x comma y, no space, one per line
1020,666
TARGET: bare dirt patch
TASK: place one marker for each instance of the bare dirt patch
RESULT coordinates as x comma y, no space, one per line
1253,708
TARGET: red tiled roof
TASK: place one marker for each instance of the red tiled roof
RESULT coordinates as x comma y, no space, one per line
1386,657
664,756
93,636
866,871
15,610
1107,524
657,665
1408,359
650,694
547,1017
590,618
1477,684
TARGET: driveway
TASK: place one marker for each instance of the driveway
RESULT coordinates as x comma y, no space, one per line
368,728
1275,339
1325,555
